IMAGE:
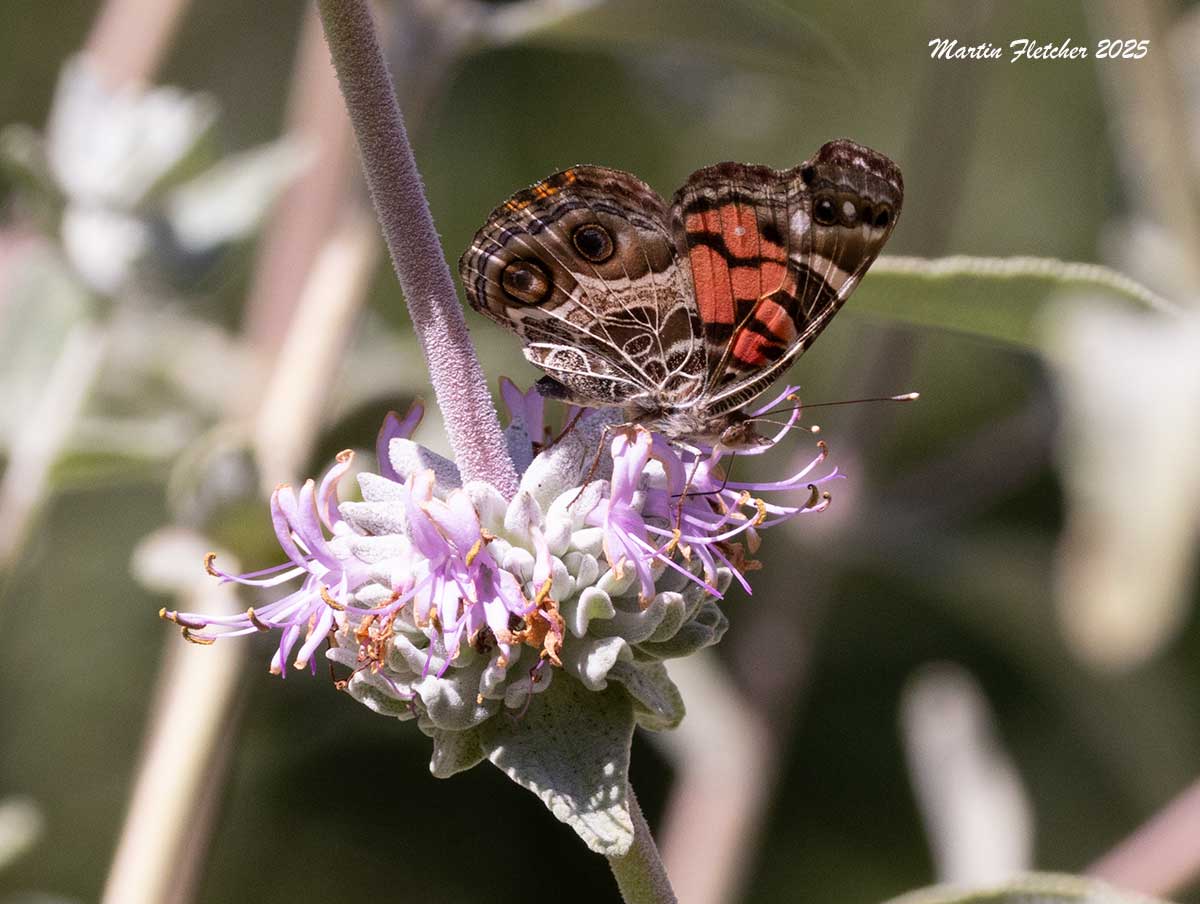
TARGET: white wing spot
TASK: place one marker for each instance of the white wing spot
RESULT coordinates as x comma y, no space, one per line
848,209
739,230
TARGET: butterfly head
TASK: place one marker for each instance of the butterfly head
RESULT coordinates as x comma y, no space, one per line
740,434
732,430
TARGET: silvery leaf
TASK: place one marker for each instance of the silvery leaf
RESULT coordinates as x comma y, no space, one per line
571,749
658,705
228,200
454,752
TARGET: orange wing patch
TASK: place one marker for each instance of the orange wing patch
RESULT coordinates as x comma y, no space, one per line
710,272
547,188
776,319
754,350
739,229
751,283
735,267
758,349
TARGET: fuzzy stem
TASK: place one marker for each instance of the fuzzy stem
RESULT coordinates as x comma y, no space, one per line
399,197
640,874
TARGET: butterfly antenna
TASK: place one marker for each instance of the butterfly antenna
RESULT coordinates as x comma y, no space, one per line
903,397
811,428
718,490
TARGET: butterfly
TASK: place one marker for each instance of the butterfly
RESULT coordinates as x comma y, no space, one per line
681,314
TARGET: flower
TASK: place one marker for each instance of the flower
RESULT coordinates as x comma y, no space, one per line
110,167
457,608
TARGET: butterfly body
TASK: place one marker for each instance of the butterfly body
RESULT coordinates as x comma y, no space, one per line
680,314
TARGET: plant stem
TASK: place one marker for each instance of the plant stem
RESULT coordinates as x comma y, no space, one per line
309,209
45,433
640,873
182,759
395,186
131,56
725,761
1162,857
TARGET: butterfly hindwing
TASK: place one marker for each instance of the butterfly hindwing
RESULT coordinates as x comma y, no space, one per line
582,266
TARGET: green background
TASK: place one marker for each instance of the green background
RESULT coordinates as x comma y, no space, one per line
328,802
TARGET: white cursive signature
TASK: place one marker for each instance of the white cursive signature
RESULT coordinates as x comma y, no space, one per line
1031,49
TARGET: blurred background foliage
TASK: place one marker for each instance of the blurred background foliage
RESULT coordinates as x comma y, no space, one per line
941,545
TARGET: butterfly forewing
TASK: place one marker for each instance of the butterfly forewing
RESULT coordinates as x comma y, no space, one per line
731,219
774,255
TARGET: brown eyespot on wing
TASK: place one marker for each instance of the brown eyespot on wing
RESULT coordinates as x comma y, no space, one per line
774,254
582,267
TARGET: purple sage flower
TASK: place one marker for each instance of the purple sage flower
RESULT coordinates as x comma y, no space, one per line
456,607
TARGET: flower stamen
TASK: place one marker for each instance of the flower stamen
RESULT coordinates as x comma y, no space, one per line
330,601
197,639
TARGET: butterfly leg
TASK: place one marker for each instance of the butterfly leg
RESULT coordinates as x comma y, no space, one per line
566,430
595,460
678,532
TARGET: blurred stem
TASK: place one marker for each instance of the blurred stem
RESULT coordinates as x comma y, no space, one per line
129,38
1162,857
399,197
993,584
973,804
315,342
724,763
308,210
640,874
44,433
180,765
1150,125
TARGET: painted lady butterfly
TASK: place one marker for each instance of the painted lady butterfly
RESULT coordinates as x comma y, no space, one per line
681,315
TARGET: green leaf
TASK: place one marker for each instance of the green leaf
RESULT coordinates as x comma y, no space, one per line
571,749
994,298
1041,888
755,36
